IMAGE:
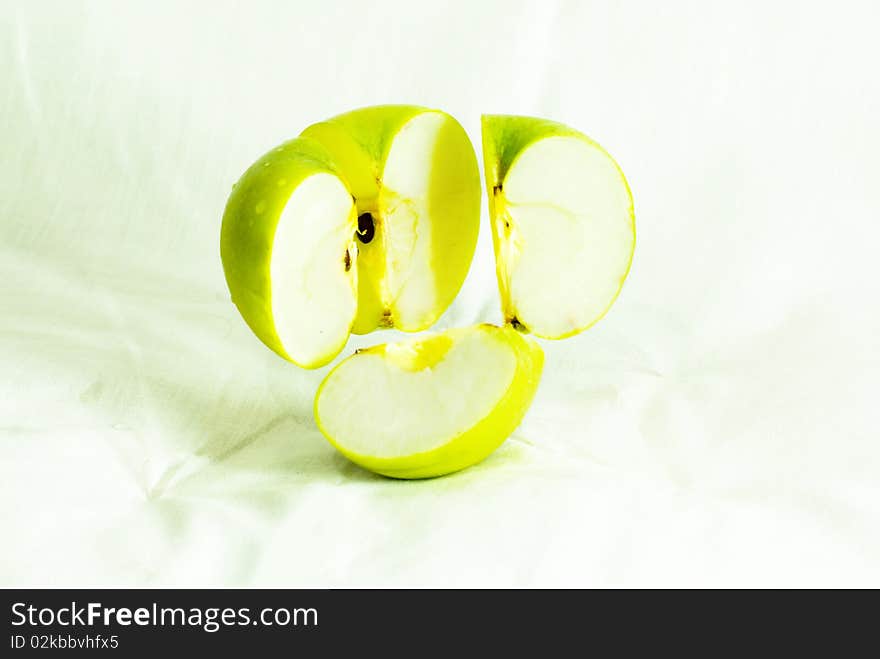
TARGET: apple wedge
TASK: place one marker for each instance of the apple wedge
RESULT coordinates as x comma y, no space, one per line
429,406
367,220
562,224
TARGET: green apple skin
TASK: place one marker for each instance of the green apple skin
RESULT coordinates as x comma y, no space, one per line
257,200
476,443
504,138
361,140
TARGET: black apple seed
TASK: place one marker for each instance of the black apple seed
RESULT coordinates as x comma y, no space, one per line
366,228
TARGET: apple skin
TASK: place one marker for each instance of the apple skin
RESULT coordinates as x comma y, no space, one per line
360,141
504,138
476,443
257,200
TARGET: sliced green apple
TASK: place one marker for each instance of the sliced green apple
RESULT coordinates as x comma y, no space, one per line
430,406
562,224
367,220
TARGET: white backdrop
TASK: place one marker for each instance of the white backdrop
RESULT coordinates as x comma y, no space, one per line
719,427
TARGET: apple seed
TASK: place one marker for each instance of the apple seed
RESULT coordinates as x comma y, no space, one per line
366,228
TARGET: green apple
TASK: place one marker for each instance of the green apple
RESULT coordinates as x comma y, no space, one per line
367,220
562,224
429,406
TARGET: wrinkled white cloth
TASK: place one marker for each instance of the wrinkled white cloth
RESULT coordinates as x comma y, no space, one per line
718,428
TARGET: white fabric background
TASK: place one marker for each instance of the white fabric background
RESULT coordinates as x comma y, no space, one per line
719,427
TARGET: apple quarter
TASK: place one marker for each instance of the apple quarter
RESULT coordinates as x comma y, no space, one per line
562,224
435,405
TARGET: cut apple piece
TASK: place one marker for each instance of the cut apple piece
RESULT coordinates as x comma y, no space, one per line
562,224
431,406
414,175
368,220
288,251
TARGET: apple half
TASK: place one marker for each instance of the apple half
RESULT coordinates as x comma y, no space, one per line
367,220
433,405
562,224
